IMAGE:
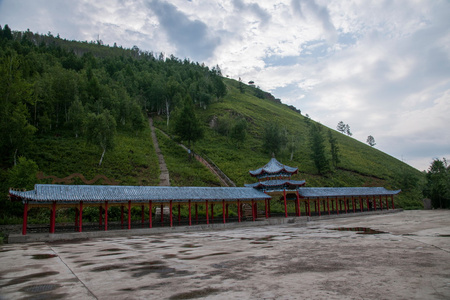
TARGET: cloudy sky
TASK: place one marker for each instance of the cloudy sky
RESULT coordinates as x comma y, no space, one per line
383,67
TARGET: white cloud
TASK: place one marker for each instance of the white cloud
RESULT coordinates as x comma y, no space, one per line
382,67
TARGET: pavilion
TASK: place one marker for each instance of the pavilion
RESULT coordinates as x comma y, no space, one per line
274,181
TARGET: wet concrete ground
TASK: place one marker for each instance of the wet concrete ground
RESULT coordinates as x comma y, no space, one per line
410,260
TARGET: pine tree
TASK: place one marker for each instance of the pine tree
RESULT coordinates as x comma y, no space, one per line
335,160
371,141
318,149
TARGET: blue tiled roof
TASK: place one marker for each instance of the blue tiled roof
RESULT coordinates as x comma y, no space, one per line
98,193
275,183
274,167
345,191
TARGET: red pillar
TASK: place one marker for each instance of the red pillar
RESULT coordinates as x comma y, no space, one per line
239,210
81,217
318,204
223,211
106,215
392,199
142,215
309,208
162,214
170,213
361,204
285,204
189,209
150,209
53,218
328,206
129,214
25,218
337,207
298,204
367,202
206,210
374,203
121,215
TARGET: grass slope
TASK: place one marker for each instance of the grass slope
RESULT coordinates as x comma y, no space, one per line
361,165
133,160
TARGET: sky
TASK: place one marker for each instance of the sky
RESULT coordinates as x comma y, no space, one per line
382,67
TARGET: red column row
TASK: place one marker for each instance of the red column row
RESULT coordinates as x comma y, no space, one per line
79,210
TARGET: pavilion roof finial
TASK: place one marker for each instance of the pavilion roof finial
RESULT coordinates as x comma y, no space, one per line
274,168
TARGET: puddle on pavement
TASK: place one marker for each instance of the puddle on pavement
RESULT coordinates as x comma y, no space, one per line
195,294
161,269
206,255
86,264
39,288
169,255
156,241
111,250
107,268
29,277
43,256
191,246
443,235
359,230
109,254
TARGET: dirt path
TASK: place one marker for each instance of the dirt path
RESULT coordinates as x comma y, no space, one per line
224,182
164,179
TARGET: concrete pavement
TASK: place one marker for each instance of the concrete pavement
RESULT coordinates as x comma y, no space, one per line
409,260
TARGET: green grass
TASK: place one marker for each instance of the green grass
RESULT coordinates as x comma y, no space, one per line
133,160
361,165
184,171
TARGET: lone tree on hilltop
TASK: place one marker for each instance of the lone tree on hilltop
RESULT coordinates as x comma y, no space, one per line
341,127
347,130
371,141
344,128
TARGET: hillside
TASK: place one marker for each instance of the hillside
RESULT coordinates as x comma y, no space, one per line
361,165
60,98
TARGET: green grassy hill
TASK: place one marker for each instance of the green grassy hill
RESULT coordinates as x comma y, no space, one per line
361,165
43,77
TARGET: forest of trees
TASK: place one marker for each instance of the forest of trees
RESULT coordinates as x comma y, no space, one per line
91,90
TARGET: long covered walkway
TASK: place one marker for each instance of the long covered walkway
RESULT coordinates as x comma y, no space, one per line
200,203
190,205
